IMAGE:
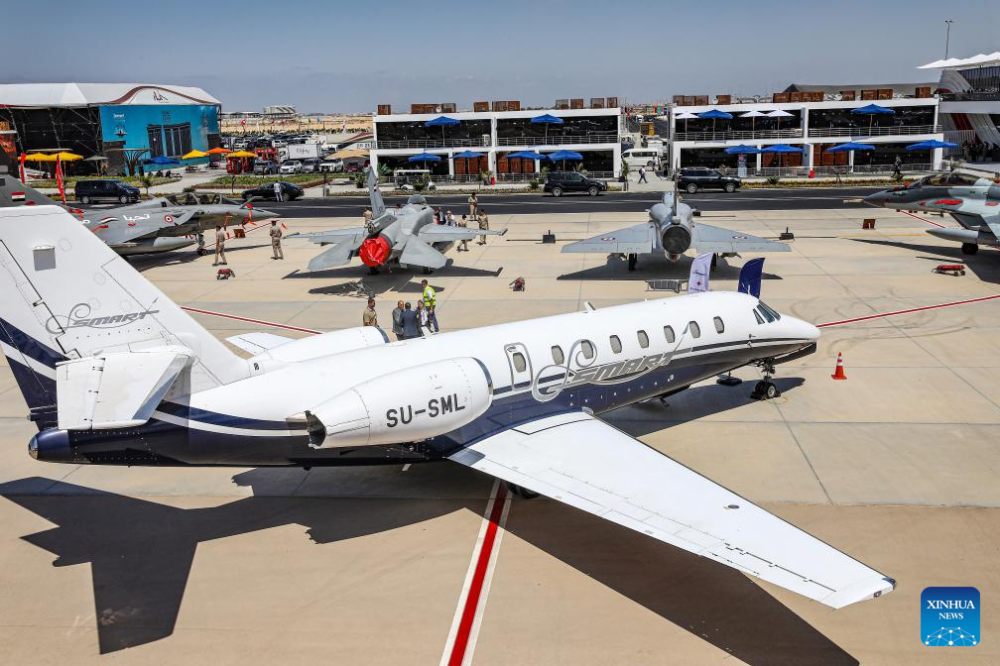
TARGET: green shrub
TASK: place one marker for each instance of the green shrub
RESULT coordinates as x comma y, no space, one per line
533,185
773,180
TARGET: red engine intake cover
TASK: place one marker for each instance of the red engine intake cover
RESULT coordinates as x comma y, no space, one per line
374,251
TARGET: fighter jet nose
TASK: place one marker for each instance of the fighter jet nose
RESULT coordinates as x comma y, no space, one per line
263,214
877,199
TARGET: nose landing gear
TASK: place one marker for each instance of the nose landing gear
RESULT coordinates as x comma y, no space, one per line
765,388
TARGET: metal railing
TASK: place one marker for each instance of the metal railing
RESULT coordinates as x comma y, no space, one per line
832,171
556,140
815,132
792,133
389,144
528,177
971,96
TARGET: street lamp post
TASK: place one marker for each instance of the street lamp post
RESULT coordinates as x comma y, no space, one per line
947,37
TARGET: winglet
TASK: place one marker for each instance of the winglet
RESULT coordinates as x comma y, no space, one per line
378,206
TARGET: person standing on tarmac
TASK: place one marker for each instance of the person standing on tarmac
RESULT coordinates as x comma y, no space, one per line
463,245
642,175
277,191
397,320
370,318
276,251
473,204
411,327
422,318
449,219
220,247
430,302
484,223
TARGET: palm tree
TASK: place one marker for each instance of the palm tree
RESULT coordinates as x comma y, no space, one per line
147,182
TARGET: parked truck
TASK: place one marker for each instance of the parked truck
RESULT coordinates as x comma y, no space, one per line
303,151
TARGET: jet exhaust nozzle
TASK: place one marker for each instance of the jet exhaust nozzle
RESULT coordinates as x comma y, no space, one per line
374,251
676,239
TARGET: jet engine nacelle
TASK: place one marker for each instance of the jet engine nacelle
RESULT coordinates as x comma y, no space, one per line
675,231
406,406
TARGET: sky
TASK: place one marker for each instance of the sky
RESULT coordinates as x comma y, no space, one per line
349,56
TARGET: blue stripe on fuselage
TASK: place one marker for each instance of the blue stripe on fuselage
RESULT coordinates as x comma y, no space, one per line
27,345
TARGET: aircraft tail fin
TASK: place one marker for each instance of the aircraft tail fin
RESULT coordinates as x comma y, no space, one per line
15,193
378,206
65,295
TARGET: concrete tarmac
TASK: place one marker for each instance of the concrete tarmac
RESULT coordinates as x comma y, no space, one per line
896,466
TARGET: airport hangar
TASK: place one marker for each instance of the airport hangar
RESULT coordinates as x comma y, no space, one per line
112,122
497,131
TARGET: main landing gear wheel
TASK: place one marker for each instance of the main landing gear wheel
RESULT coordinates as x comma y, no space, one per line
201,251
970,248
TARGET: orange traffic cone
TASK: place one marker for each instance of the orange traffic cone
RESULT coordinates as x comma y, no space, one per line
839,372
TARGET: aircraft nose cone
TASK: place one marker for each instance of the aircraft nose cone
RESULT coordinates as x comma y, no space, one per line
877,199
261,214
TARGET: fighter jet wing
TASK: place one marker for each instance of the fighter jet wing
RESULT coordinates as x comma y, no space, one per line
418,253
583,462
706,238
639,239
334,235
439,233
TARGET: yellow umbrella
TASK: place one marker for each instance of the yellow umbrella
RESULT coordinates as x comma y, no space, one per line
194,154
67,157
39,157
241,153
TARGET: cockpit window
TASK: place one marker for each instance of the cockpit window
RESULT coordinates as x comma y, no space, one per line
769,314
962,179
938,179
760,320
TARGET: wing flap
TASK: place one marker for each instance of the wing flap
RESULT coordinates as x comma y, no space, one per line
588,464
257,342
706,238
639,239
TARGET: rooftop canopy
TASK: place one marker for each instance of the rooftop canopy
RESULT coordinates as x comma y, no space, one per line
42,95
980,60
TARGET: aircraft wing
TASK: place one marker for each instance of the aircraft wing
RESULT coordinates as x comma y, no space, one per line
258,342
418,253
706,238
334,235
640,239
439,233
588,464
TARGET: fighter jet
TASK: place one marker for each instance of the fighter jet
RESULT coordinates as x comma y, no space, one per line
971,199
113,372
155,225
671,229
407,235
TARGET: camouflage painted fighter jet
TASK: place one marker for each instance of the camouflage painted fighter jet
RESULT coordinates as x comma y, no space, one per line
156,225
973,200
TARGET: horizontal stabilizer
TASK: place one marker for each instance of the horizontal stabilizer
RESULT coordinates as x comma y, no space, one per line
418,253
338,255
259,342
706,238
116,390
639,239
438,233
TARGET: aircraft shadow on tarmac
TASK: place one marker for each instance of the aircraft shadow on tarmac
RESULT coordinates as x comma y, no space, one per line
985,265
399,280
141,552
655,267
143,262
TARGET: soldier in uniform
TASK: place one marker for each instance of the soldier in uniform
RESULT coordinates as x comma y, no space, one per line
220,247
369,318
463,244
473,204
276,251
484,223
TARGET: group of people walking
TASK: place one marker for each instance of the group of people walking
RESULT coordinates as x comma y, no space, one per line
407,322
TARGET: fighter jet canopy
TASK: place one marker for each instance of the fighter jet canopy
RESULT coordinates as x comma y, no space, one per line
417,200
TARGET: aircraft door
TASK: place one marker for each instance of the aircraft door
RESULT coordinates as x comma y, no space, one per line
520,367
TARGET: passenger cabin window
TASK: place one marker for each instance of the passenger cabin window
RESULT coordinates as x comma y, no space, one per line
643,339
616,344
694,329
668,333
519,363
557,355
588,349
719,326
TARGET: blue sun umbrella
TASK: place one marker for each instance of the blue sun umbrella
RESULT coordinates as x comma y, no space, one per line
931,145
872,110
781,149
467,155
844,147
424,157
547,119
742,150
715,114
563,155
442,122
527,155
164,161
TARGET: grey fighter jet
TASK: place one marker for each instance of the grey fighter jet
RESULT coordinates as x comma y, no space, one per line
971,199
671,229
406,235
156,225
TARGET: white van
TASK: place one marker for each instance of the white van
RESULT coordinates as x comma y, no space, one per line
641,157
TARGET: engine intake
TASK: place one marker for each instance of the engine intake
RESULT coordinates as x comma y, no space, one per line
407,406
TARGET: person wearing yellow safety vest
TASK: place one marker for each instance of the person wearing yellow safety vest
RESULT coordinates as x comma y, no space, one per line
430,302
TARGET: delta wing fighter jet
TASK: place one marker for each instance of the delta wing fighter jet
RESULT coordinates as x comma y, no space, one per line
156,225
973,200
113,372
407,235
671,229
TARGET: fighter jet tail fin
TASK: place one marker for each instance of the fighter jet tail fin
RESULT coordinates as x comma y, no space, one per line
15,193
65,295
378,206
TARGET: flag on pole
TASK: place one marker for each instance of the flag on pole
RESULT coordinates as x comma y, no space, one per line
700,268
21,164
59,179
750,277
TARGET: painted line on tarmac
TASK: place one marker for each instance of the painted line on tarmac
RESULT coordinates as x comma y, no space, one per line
909,311
464,632
248,319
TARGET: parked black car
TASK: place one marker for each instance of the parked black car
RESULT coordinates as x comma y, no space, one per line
89,191
265,168
289,192
560,182
692,179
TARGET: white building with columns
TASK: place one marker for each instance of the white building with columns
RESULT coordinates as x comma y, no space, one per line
494,135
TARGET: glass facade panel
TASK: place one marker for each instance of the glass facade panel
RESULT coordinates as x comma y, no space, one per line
469,131
580,126
907,116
